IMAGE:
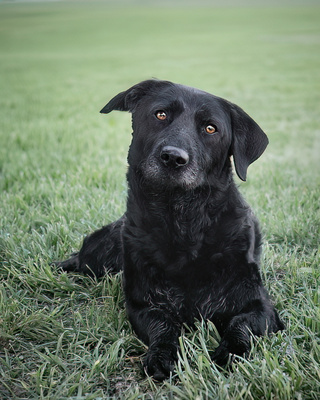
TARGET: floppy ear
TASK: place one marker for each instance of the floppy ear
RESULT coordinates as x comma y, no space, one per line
127,100
249,140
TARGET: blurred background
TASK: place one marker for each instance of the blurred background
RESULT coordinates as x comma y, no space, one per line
61,61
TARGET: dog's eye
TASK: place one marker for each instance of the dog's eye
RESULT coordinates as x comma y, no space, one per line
161,115
211,129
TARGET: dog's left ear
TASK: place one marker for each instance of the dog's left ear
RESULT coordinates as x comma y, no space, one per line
248,142
127,100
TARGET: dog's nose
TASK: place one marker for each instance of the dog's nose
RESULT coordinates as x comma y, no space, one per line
174,157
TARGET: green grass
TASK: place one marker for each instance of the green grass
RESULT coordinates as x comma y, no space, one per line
62,175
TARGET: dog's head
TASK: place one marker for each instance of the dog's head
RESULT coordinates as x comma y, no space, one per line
184,137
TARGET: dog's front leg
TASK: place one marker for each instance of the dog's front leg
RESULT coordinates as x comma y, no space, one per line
236,340
160,332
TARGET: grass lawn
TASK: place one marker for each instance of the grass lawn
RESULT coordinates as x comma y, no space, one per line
62,175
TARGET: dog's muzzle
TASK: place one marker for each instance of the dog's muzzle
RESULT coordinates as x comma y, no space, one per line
174,157
169,167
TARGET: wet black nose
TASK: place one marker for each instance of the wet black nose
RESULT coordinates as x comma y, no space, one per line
174,157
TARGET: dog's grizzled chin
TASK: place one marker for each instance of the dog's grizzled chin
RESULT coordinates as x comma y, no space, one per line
159,177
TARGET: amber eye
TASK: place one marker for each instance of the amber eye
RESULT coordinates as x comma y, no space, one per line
211,129
161,115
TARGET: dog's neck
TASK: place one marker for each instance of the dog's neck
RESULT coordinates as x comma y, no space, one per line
176,220
180,206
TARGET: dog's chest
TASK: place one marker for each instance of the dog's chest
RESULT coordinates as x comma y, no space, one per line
188,296
171,238
183,255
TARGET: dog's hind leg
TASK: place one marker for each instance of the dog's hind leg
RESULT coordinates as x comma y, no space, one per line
101,252
69,265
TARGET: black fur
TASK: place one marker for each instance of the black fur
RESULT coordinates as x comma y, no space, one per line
188,243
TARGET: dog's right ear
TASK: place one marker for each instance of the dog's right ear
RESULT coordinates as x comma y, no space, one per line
127,100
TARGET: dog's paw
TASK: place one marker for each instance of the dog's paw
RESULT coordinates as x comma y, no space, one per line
159,363
70,265
221,356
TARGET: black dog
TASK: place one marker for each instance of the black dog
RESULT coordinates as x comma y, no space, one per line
188,243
